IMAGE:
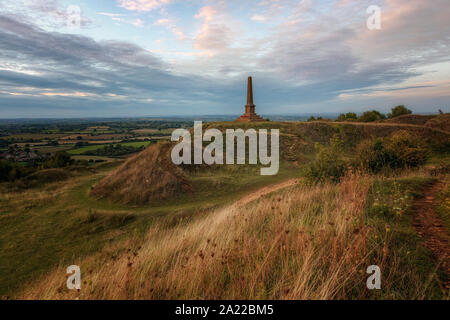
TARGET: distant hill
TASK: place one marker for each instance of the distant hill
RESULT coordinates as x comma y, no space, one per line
411,119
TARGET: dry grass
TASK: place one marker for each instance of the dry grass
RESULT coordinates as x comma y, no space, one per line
148,176
416,119
303,243
440,122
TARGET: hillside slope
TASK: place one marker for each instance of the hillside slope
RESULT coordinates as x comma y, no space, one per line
302,242
150,176
147,176
441,122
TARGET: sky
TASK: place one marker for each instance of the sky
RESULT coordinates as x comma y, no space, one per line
136,58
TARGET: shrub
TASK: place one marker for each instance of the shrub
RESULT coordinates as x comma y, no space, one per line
349,116
11,171
399,111
329,164
60,159
400,150
370,116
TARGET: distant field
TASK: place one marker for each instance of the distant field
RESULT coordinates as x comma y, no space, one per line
35,136
99,146
87,158
51,149
147,131
97,136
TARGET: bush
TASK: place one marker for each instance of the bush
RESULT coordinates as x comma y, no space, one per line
60,159
11,171
399,111
349,116
400,150
329,164
370,116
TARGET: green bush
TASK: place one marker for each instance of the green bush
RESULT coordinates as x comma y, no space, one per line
11,171
399,111
400,150
329,164
370,116
349,116
60,159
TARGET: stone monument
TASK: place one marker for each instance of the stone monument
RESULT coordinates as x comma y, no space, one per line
249,115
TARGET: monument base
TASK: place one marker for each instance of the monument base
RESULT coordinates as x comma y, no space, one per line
252,117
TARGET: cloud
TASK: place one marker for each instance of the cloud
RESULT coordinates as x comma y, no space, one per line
65,73
142,5
412,28
137,22
258,17
214,35
172,27
304,57
46,13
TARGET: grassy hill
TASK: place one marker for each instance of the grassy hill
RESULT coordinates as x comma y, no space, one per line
138,228
150,177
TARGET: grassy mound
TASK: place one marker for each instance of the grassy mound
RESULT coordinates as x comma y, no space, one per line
42,177
150,176
416,119
147,177
441,122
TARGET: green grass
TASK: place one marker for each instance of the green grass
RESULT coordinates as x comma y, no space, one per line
443,205
406,264
81,150
58,223
52,149
83,157
44,228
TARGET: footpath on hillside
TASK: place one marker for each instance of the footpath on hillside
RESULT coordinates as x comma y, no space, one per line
430,227
264,191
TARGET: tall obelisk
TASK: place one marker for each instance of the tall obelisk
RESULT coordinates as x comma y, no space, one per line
250,107
250,114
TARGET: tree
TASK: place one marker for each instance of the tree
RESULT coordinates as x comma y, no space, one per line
60,159
401,149
329,164
370,116
399,111
347,116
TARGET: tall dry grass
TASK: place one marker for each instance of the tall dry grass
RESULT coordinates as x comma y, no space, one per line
144,178
302,243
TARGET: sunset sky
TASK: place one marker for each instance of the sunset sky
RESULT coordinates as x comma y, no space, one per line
192,57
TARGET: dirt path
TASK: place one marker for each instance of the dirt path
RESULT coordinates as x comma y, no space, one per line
429,226
264,191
